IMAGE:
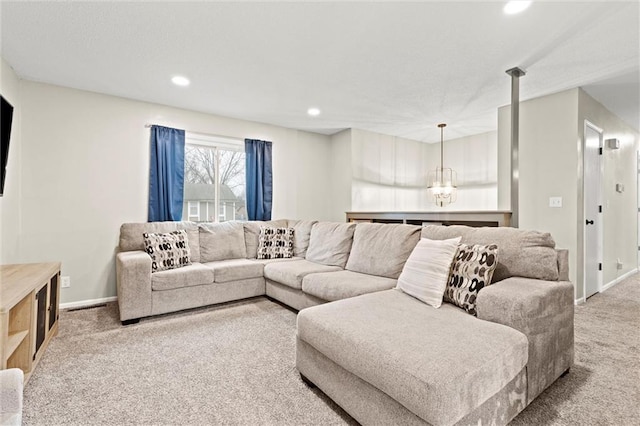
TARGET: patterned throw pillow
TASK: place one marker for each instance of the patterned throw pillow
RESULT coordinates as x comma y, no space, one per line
167,251
275,243
471,270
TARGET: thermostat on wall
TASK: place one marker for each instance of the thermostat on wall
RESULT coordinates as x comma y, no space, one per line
613,143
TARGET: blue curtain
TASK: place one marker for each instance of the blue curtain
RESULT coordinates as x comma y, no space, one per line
259,179
166,174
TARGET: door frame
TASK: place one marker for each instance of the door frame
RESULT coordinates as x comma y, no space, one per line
582,216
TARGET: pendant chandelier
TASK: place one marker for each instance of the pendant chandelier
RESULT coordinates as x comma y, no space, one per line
442,183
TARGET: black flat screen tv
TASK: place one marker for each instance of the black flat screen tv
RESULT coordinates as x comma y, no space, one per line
6,110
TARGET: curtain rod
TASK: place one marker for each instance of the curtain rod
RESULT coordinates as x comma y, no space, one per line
199,133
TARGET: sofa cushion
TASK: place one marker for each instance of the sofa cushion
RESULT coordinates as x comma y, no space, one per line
194,274
275,243
527,254
471,271
169,250
301,235
235,269
330,243
252,234
426,272
268,261
338,285
131,235
220,241
382,249
438,363
291,273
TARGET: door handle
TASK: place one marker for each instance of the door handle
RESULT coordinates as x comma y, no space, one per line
589,222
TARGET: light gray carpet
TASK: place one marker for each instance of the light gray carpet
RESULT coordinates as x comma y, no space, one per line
603,386
231,364
235,364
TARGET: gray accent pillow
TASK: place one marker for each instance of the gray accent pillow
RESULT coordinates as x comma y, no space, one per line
275,243
301,235
330,243
527,254
221,241
382,249
471,271
168,250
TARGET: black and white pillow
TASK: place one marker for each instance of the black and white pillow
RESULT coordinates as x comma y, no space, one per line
471,271
275,243
167,251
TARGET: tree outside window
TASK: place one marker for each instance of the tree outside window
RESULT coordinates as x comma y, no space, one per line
214,182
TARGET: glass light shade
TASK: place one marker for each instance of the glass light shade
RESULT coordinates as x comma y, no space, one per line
442,184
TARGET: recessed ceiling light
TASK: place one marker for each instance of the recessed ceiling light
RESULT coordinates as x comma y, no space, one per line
179,80
314,112
516,6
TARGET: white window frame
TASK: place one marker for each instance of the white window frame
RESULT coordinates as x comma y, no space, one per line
215,143
195,204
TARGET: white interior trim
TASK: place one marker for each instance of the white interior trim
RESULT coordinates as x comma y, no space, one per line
607,286
225,142
582,240
86,303
619,279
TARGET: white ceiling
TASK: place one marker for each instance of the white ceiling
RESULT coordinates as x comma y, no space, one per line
390,67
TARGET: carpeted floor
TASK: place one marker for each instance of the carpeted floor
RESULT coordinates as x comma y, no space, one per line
235,364
603,386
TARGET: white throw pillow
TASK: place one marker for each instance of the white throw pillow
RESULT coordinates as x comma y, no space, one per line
425,273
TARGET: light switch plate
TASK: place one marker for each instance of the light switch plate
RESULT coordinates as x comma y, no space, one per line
66,282
555,202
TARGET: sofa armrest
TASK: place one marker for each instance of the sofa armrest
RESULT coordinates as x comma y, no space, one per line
542,311
133,280
11,386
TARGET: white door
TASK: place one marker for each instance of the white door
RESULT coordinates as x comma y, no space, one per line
592,209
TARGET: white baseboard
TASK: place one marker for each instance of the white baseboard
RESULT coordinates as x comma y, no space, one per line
619,279
579,301
86,303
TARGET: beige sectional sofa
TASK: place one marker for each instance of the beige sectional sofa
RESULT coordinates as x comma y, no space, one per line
382,355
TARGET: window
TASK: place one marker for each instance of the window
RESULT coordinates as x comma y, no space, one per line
214,179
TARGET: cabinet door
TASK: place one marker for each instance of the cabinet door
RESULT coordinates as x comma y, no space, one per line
53,301
41,323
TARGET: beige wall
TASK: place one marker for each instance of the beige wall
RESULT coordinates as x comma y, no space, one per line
504,158
390,173
84,171
548,168
620,215
551,131
475,159
340,175
10,217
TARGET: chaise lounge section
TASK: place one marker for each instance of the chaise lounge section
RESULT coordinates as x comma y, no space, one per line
387,358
